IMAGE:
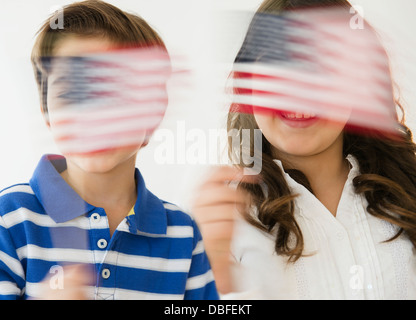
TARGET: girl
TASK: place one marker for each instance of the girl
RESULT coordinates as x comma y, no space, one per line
332,215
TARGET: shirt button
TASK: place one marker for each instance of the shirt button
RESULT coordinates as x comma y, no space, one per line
102,243
95,217
105,273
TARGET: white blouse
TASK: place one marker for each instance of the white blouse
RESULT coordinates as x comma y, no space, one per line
346,257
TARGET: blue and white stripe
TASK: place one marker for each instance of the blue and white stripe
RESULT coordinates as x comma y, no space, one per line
156,253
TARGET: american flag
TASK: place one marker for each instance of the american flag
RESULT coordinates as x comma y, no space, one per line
315,62
108,100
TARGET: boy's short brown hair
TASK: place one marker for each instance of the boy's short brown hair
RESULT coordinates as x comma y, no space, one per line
90,18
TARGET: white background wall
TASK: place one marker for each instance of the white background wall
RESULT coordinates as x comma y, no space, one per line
208,33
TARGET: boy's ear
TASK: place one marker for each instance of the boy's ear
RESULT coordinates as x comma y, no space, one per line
43,88
45,116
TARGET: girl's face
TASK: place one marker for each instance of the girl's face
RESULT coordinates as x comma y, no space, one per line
297,134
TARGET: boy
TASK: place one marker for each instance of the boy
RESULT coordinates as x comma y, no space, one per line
86,227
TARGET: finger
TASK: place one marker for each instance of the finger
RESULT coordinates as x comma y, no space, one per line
73,293
217,231
78,275
70,284
218,212
223,279
226,174
210,195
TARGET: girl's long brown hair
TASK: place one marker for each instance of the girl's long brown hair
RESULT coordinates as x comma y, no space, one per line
387,170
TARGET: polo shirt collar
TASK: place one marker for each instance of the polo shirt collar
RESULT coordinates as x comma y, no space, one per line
63,204
149,211
58,199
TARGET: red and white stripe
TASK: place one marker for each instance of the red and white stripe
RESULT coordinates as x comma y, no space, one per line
346,73
124,99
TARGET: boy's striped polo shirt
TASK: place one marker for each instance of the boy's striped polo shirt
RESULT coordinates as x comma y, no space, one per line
155,253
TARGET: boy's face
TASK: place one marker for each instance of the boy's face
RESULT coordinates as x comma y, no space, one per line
93,129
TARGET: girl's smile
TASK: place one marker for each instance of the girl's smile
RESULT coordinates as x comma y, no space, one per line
298,120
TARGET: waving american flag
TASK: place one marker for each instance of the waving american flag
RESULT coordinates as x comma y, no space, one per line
108,100
312,63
